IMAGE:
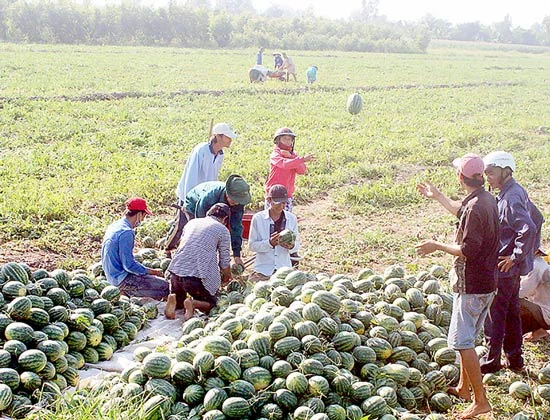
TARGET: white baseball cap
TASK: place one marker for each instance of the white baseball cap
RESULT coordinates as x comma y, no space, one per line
225,129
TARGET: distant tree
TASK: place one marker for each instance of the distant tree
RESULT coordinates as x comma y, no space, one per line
369,9
503,30
221,29
198,4
439,28
235,7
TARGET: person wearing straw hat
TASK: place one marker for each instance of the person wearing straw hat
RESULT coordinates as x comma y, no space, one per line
264,235
117,258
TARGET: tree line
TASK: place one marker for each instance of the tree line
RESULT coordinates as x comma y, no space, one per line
235,24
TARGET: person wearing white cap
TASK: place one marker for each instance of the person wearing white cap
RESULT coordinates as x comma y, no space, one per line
473,278
203,165
517,243
205,160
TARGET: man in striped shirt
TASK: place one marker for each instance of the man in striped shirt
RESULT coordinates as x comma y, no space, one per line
201,263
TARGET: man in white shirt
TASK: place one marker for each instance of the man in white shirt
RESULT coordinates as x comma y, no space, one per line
203,165
534,293
264,235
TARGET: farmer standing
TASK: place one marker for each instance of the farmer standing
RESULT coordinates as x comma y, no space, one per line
235,192
203,165
285,163
516,248
117,258
260,56
474,277
264,235
201,263
289,66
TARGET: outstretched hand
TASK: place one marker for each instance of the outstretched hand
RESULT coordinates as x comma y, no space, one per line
426,247
428,190
309,158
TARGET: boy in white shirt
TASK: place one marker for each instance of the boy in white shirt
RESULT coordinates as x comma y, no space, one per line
264,235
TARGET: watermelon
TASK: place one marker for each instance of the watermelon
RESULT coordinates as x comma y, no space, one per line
520,390
6,396
235,407
354,104
287,238
441,402
156,365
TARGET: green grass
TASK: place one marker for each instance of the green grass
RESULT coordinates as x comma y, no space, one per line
69,160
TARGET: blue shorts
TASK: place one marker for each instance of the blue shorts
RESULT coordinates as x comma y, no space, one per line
469,313
146,285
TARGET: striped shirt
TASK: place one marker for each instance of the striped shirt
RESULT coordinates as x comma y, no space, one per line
203,250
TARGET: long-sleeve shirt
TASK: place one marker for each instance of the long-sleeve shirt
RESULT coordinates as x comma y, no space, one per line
477,234
199,200
117,256
283,170
268,258
202,165
535,287
518,233
203,250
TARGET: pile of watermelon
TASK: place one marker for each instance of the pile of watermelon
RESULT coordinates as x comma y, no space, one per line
305,346
51,324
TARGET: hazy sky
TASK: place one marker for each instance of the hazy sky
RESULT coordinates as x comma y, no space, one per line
523,12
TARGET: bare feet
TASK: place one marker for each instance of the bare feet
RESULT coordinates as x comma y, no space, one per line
475,410
459,393
537,335
189,309
170,309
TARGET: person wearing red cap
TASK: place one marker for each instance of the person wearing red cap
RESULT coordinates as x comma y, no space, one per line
474,274
117,258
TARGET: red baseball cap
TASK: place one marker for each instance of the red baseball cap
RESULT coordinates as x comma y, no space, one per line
470,165
137,204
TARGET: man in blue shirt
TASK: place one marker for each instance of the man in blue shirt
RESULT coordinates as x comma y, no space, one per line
204,164
516,250
259,56
117,258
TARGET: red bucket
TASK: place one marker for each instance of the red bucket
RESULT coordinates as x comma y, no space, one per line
247,219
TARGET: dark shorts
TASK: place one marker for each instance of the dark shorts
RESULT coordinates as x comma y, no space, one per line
146,285
191,286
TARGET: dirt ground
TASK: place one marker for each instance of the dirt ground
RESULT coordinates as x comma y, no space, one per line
333,240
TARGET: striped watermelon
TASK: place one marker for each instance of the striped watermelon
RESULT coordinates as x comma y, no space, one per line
297,383
9,377
19,331
326,301
13,289
156,365
441,402
227,368
214,399
241,388
519,390
257,376
13,271
354,104
183,373
235,407
6,396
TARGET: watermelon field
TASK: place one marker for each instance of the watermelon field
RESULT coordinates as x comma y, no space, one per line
82,128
